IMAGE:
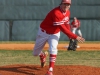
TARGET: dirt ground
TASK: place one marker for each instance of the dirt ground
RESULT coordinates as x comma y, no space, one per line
21,69
83,46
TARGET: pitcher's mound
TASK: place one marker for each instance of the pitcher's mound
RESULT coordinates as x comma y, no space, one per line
58,70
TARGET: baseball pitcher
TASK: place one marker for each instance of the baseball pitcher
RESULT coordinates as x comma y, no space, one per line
49,31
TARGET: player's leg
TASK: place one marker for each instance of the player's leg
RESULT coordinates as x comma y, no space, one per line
74,30
37,51
53,43
79,32
39,44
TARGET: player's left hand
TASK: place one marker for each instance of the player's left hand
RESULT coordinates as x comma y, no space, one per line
80,39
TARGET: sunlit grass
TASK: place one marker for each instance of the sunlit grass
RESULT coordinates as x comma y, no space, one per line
88,58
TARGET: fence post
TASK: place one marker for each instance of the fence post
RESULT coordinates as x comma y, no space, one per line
10,29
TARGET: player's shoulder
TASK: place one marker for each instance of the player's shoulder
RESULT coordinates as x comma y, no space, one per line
56,10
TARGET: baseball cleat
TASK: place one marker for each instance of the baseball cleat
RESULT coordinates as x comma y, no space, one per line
43,59
49,73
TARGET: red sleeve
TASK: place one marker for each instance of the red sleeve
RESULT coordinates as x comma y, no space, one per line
68,27
67,32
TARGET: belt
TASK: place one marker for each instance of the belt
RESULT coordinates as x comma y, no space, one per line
44,31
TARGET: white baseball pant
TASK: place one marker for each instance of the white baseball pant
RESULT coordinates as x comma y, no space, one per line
78,31
41,40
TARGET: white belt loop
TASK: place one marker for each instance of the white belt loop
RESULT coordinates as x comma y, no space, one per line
43,30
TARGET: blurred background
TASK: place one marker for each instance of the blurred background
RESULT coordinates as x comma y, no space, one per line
20,19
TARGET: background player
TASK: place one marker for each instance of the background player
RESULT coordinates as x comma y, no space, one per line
49,31
75,27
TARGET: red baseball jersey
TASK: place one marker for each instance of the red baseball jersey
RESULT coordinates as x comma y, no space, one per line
57,20
75,24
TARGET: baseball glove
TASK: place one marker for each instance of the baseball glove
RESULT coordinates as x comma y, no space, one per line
72,45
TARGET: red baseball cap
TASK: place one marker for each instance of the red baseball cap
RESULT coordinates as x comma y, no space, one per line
66,1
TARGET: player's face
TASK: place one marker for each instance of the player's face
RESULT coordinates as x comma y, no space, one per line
65,6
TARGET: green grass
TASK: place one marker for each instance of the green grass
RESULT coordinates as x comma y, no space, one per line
87,58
